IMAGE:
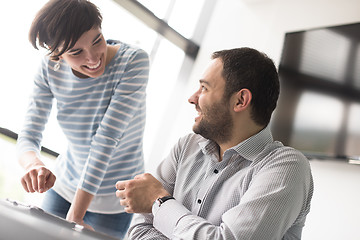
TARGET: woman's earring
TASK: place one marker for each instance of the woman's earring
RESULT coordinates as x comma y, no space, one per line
57,66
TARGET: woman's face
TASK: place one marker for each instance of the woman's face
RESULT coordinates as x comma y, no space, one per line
88,56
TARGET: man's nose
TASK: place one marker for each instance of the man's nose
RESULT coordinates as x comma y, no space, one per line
193,99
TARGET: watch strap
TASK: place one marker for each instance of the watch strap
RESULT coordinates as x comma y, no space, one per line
164,199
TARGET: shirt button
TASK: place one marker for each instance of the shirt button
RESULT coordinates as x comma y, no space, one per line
199,201
216,171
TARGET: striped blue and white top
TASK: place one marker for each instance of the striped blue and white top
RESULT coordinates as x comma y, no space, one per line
103,120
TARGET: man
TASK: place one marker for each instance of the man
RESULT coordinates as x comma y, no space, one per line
229,179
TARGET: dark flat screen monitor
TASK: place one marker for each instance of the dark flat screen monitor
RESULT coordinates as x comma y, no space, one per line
319,105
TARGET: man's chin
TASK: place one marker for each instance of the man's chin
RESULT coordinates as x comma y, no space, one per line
196,129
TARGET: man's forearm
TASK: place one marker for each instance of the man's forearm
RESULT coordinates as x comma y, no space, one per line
142,228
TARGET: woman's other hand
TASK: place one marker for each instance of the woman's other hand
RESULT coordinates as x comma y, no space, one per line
38,179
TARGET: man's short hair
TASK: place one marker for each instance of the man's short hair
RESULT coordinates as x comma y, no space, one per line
251,69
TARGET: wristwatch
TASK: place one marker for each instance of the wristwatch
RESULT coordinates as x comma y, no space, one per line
158,202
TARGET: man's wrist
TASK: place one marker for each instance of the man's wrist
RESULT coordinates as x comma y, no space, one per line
159,201
163,199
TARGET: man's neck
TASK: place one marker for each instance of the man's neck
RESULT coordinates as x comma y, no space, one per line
238,137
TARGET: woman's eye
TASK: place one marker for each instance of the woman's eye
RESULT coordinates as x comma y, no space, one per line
76,53
97,41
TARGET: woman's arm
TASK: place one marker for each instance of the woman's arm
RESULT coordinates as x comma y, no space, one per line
38,178
79,207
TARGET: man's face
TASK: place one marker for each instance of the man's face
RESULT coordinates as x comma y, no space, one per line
214,120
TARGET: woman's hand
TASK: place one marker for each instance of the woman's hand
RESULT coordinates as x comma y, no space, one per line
38,179
71,217
79,207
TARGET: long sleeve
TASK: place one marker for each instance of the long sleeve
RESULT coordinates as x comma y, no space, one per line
37,114
142,228
127,101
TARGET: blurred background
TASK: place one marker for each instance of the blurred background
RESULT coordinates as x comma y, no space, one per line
314,43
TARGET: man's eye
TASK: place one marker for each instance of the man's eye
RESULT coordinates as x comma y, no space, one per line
203,88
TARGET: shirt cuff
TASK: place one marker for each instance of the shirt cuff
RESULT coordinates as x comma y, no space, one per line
168,215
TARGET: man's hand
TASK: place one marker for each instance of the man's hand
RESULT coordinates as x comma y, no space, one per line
138,194
38,179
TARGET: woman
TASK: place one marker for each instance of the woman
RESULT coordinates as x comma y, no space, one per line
99,88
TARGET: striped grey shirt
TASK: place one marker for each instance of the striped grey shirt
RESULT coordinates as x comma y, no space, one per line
260,190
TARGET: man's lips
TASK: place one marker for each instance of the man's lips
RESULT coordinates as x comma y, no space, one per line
199,113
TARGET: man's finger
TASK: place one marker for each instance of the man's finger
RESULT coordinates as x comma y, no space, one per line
120,194
123,202
139,176
120,185
128,209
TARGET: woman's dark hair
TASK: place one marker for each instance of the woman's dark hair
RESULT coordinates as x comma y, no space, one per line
251,69
61,23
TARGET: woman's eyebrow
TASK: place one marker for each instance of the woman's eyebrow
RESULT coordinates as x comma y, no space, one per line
77,49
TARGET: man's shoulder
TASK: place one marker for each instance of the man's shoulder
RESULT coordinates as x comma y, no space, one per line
277,153
288,151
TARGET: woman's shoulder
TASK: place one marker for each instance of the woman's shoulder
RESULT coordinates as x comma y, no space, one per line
126,50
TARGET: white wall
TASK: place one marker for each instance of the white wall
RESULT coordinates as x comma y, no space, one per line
261,24
335,208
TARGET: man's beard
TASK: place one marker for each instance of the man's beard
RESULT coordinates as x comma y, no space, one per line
216,123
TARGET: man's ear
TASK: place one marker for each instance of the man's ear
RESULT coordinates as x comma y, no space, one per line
242,99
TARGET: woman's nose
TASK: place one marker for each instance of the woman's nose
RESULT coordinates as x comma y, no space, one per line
92,57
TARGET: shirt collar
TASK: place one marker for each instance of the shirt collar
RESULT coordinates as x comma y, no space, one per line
249,148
